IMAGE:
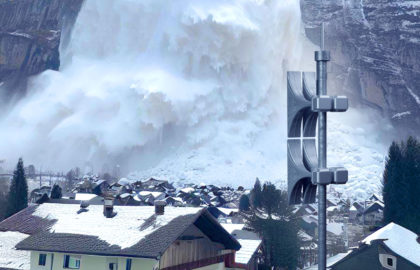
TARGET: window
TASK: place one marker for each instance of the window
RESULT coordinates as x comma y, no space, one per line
113,266
128,264
42,259
388,261
71,262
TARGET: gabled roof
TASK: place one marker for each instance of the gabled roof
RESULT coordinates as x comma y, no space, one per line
134,232
377,205
400,240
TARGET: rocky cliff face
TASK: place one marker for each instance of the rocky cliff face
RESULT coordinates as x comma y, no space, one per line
30,33
375,47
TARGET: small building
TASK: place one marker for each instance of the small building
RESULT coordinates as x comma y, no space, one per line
392,247
126,237
248,256
373,214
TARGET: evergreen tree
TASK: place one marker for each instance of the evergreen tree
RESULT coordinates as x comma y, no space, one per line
280,248
56,192
401,185
17,198
244,204
270,198
256,194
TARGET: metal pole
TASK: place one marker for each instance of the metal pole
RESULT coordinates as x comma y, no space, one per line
321,89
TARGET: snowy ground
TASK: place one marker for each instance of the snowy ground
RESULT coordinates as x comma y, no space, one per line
9,256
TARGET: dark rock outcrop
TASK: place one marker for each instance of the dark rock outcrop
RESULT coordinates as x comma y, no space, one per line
30,33
375,46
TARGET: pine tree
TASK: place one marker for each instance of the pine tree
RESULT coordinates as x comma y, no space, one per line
17,198
56,192
401,185
256,194
280,249
244,204
270,198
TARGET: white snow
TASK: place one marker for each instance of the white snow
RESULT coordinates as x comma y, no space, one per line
84,196
183,90
400,240
9,256
122,230
155,194
18,34
416,98
229,227
401,115
187,190
228,211
335,228
330,261
248,248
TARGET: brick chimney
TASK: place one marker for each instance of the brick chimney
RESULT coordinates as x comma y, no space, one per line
108,207
160,207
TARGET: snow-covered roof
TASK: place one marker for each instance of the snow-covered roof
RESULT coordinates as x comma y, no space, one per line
335,228
400,240
155,194
84,196
229,227
248,248
187,190
304,236
134,231
330,261
9,256
124,181
121,230
228,211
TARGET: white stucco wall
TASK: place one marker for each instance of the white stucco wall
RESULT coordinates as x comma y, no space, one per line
89,262
217,266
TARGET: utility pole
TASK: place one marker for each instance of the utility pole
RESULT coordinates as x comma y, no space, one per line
321,58
307,105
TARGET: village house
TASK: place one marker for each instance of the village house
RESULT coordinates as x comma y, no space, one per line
66,236
392,247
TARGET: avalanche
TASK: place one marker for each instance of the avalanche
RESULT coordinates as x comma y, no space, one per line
186,90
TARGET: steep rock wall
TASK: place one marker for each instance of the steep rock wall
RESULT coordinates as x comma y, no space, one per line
375,46
30,33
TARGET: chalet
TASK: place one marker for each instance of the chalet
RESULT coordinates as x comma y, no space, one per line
248,256
373,214
392,247
121,237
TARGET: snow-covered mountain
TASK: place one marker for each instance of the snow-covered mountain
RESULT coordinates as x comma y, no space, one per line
189,91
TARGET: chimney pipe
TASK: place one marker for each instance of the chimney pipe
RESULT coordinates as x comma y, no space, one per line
108,207
160,207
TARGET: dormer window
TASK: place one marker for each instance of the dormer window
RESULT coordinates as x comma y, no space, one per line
388,261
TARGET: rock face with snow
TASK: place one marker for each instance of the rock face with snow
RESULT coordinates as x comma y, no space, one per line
30,36
375,47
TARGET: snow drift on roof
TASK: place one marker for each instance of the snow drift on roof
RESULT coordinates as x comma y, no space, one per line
9,256
122,230
248,248
84,196
400,240
229,227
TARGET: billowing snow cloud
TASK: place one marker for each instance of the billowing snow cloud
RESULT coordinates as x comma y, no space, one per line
191,90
